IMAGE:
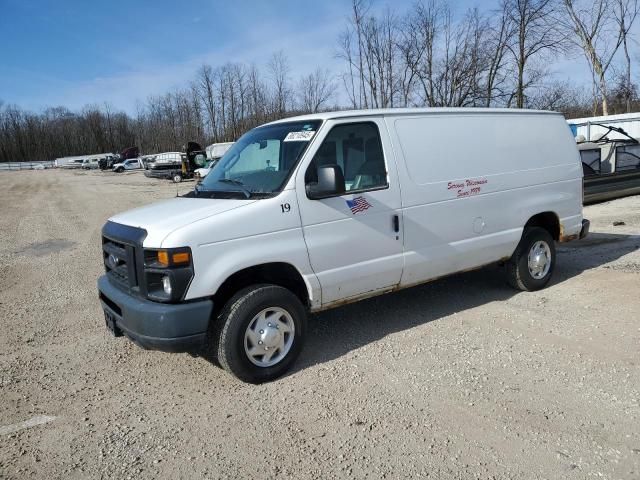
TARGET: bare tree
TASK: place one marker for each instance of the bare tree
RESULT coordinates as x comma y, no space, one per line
257,96
278,68
598,36
451,64
315,90
500,36
370,47
535,34
626,12
562,96
206,89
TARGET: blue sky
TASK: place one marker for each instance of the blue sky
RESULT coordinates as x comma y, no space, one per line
73,52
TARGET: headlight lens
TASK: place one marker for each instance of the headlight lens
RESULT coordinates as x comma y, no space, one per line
166,284
168,273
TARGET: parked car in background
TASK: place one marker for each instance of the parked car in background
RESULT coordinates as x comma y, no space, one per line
107,162
91,163
147,160
611,166
163,164
131,164
110,160
177,166
203,171
165,160
214,153
73,164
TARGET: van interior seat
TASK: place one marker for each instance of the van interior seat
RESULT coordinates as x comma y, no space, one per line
372,173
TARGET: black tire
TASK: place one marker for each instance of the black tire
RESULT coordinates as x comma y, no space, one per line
177,178
119,170
518,274
226,335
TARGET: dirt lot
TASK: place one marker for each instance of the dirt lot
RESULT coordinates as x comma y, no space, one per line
461,378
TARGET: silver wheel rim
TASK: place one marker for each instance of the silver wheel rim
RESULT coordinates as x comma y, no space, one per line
269,337
539,260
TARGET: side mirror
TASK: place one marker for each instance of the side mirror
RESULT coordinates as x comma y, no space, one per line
330,183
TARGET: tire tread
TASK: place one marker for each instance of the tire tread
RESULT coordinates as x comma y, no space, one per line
516,269
221,348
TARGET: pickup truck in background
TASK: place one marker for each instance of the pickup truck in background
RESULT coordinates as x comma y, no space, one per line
177,166
107,162
131,164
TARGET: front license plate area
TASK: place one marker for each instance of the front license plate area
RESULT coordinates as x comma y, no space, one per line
110,321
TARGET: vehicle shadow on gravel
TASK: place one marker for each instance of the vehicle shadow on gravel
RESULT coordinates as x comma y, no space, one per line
336,332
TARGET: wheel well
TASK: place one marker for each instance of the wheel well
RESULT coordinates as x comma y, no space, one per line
282,274
547,220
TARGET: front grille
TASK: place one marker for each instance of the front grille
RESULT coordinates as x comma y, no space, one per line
119,262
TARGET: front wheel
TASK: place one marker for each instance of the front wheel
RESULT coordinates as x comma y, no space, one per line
259,333
177,178
531,265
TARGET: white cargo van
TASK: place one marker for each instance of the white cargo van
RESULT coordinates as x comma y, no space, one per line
313,212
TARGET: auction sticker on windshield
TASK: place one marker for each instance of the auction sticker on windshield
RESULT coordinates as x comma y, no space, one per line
303,136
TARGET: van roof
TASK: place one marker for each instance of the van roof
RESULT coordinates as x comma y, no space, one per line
412,111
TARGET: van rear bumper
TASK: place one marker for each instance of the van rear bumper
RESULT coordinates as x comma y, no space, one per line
586,224
178,327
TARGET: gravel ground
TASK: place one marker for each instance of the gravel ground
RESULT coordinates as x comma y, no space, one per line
461,378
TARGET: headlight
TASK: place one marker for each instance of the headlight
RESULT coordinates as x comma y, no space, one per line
168,273
166,284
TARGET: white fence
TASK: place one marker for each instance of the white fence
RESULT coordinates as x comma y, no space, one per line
24,165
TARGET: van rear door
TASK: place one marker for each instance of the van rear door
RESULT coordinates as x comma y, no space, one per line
355,239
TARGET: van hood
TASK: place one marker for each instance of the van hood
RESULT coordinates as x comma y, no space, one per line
161,218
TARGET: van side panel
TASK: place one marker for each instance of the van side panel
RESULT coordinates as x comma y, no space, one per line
471,181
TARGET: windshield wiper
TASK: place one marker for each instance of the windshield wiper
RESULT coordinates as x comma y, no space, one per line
233,181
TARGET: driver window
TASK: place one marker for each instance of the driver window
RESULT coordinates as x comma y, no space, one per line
357,150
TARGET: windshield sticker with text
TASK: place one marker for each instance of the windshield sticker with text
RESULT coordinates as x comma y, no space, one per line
303,136
468,187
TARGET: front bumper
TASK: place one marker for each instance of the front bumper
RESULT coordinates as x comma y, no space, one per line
178,327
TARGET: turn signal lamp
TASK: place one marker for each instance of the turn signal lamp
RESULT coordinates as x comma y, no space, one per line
166,258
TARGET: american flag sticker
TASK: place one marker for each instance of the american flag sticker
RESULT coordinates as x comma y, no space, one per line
358,204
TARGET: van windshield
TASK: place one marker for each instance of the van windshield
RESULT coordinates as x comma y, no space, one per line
260,162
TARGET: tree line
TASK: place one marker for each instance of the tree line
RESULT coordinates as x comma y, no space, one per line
425,56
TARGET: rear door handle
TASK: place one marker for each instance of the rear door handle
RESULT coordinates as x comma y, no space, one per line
396,223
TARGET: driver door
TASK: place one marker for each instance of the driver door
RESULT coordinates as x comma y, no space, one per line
354,239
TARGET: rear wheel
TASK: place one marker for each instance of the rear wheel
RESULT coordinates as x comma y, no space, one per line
177,178
259,333
531,265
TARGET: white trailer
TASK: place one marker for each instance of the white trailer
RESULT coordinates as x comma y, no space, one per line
78,159
590,128
217,150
